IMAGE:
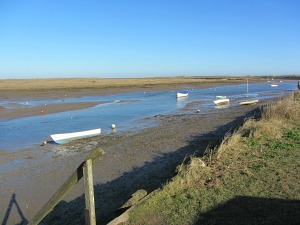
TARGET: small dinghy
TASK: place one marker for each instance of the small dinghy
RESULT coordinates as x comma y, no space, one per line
248,102
181,94
221,101
220,97
66,137
248,95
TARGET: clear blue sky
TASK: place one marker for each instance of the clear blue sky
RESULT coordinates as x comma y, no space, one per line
145,38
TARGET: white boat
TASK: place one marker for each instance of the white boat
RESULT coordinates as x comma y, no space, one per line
248,95
274,85
220,97
181,94
222,101
249,102
66,137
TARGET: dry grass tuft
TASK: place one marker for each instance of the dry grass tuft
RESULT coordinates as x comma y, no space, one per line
259,129
286,108
231,143
188,175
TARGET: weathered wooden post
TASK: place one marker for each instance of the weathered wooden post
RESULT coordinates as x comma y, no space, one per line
85,169
90,215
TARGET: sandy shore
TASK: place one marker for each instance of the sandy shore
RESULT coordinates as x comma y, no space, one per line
43,109
135,160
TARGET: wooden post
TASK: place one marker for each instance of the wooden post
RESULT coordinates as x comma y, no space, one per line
90,215
66,187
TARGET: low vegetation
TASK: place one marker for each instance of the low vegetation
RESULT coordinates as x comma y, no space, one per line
251,178
79,83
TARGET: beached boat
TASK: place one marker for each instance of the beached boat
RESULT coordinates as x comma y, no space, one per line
248,102
222,101
181,94
66,137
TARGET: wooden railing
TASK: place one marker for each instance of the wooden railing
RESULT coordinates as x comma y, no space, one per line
84,170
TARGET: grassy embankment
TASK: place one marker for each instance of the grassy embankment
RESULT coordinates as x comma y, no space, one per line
253,177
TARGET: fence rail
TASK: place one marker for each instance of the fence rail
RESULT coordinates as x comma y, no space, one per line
83,170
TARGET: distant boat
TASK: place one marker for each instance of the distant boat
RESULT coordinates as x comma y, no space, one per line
247,95
181,94
249,102
221,101
274,85
66,137
220,97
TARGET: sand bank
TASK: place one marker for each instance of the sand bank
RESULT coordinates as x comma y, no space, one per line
43,109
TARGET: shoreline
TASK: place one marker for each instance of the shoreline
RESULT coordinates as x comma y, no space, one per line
62,94
42,110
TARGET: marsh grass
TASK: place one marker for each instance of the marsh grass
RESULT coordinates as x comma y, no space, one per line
83,83
259,162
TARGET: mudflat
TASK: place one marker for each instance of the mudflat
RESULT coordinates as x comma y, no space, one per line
135,160
62,88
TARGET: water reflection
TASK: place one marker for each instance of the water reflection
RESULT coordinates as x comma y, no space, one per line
181,102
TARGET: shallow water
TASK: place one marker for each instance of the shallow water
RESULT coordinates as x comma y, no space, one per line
128,111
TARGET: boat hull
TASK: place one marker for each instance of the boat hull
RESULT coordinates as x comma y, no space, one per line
220,97
182,94
66,137
223,101
250,95
248,102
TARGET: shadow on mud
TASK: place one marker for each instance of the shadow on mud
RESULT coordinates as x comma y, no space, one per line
13,202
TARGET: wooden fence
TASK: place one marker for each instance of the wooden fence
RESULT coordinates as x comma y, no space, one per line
84,170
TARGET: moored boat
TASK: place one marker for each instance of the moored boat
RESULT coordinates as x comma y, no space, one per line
249,95
181,94
66,137
249,102
222,101
220,97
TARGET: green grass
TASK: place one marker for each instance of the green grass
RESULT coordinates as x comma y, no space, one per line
251,178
